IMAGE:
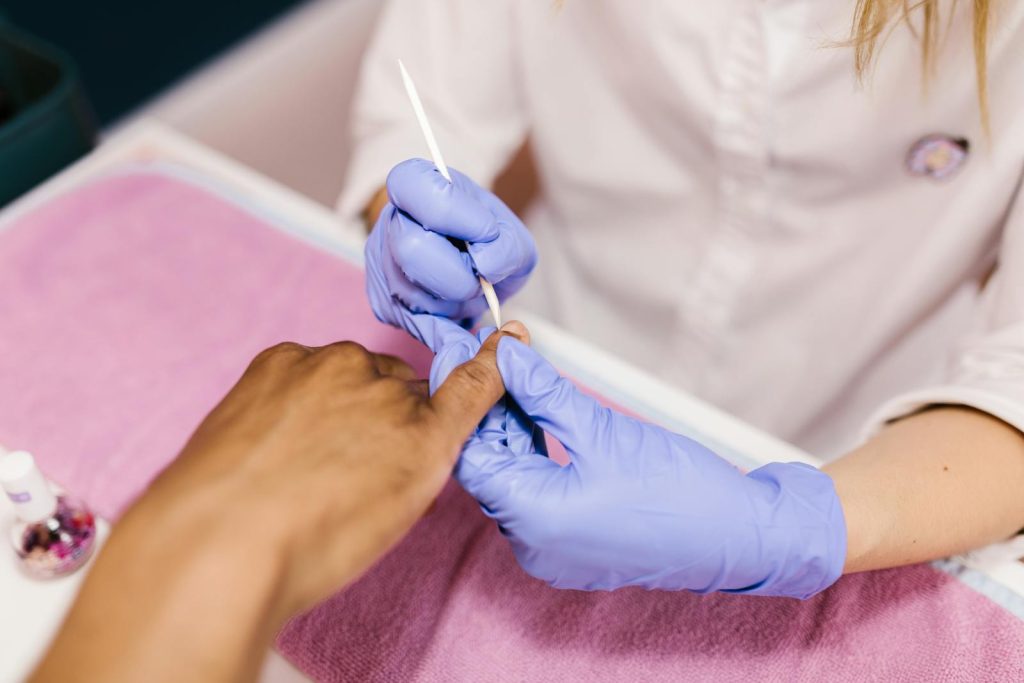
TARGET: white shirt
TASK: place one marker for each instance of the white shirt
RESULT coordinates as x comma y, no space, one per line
724,206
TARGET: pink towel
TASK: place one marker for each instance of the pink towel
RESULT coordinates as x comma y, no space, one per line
129,306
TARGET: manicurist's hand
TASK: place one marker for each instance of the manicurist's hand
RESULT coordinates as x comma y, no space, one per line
638,505
413,269
313,466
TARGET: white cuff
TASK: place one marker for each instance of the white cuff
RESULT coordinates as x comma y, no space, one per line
1008,410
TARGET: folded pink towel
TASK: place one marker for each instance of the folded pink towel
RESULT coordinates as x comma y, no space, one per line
129,306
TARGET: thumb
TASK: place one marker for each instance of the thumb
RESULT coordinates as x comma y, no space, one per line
472,388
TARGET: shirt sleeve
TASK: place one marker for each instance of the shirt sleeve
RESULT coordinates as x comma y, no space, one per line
462,56
987,370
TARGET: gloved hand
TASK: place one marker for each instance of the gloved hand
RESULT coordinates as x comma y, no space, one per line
413,268
641,506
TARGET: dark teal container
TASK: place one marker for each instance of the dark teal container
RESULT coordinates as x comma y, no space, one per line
45,120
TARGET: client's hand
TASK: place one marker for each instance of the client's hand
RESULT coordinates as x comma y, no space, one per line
638,505
333,452
312,466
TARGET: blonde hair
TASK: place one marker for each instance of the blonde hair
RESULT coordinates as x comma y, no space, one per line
872,17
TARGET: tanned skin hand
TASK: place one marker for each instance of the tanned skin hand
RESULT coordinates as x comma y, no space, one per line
313,466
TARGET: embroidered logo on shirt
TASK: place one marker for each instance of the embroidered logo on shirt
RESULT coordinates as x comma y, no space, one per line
937,156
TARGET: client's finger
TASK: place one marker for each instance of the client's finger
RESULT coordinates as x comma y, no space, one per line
471,389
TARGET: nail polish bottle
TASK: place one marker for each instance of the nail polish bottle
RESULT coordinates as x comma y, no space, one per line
52,534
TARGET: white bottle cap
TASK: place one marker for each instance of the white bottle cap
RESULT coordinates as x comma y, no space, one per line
26,487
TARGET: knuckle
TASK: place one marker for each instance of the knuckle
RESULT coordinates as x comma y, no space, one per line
280,352
346,354
346,348
287,347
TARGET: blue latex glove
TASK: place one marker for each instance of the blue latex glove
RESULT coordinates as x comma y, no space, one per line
641,506
413,268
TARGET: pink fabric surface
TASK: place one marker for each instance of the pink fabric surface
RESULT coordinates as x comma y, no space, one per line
450,604
127,309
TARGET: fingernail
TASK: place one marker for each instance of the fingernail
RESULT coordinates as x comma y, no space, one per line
516,329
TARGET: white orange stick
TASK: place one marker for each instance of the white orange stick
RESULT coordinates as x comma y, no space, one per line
435,154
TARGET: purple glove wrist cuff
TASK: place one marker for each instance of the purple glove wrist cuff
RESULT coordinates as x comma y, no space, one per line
804,526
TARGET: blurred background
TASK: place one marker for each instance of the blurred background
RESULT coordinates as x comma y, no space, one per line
128,50
268,82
